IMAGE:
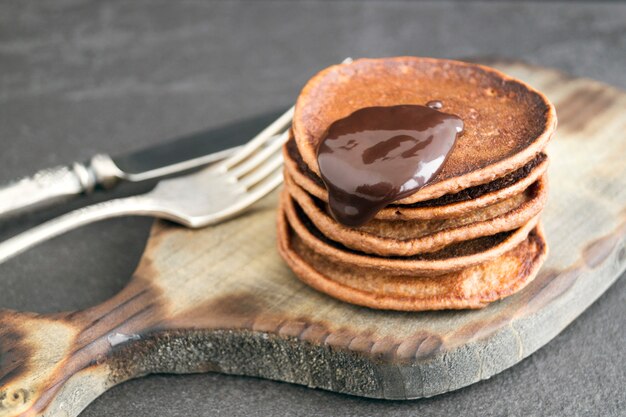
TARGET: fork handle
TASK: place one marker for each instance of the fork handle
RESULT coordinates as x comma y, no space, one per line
135,205
52,185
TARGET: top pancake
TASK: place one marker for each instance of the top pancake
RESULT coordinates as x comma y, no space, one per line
506,121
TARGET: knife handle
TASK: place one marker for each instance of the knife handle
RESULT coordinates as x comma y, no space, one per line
52,185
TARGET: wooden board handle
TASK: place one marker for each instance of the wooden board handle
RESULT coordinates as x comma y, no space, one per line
40,353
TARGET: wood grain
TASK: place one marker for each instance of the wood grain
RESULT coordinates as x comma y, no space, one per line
220,299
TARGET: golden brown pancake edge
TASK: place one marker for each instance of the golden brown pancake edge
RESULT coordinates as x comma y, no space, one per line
397,239
451,258
514,119
431,209
495,279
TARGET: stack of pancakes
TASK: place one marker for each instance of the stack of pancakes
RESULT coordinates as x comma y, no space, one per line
469,237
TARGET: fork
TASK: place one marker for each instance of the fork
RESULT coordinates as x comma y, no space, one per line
210,196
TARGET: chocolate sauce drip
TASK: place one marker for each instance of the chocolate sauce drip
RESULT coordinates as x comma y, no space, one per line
435,104
378,155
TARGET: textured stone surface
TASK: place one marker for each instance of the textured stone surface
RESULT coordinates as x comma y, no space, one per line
81,77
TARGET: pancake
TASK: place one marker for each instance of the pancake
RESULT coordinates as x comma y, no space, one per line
507,122
406,238
446,206
451,258
472,287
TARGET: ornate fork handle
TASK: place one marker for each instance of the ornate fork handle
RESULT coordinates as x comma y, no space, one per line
135,205
52,185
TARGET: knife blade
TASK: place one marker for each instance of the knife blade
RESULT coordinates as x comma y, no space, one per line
54,185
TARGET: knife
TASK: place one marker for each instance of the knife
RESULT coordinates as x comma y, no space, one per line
54,185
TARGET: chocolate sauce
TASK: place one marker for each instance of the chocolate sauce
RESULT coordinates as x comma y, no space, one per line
378,155
435,104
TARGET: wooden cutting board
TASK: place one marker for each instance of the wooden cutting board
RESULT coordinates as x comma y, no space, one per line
220,299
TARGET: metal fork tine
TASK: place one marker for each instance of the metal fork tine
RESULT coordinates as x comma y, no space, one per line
266,186
279,125
260,157
250,198
267,168
266,134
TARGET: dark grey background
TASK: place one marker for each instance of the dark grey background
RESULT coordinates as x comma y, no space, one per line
77,77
